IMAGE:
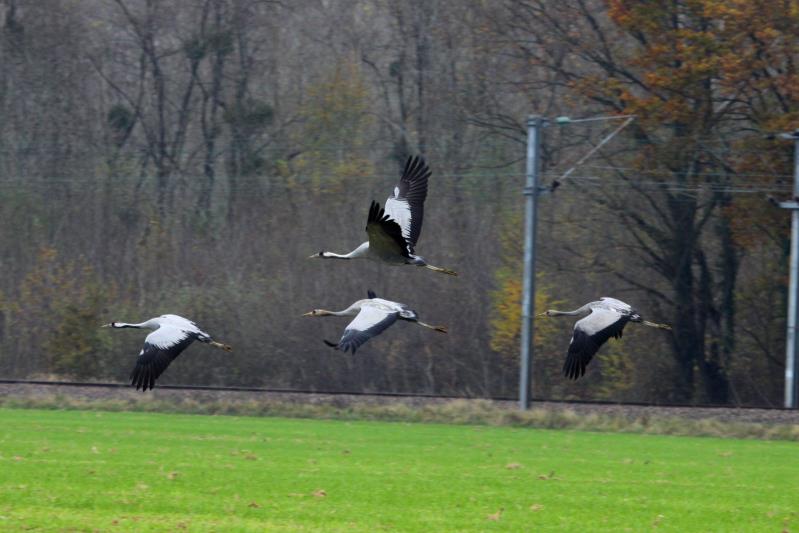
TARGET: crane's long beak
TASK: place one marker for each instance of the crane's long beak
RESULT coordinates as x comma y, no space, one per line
106,326
542,314
309,313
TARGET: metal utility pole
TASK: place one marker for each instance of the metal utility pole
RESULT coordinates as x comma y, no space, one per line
534,127
792,339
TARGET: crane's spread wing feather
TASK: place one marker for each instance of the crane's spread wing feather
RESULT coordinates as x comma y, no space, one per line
385,235
161,347
177,320
618,304
369,322
404,312
590,333
406,204
183,323
371,294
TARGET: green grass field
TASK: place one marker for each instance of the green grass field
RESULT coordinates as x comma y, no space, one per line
83,470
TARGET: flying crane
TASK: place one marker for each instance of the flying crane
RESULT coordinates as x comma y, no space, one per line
394,229
171,335
372,316
601,320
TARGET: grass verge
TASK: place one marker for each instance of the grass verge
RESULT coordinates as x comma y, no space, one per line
452,412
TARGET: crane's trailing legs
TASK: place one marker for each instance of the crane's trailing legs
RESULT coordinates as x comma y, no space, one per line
656,325
221,346
442,270
440,329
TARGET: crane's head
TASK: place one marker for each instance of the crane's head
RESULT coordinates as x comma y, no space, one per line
317,255
548,312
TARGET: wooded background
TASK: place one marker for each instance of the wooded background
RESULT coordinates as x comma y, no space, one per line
186,156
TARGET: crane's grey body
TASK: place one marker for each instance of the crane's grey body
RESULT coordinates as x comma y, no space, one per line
373,315
171,335
603,313
601,320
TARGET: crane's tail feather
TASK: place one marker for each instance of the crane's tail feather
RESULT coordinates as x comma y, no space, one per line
221,346
331,344
442,270
440,329
656,325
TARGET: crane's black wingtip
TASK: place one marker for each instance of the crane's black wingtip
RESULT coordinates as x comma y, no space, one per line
414,163
416,170
573,368
573,375
376,213
142,378
345,347
139,382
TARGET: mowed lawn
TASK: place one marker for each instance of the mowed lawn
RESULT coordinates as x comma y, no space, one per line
83,470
